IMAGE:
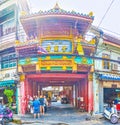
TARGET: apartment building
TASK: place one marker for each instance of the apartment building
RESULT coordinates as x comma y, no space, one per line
10,31
106,75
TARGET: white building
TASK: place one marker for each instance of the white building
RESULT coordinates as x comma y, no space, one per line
106,76
10,31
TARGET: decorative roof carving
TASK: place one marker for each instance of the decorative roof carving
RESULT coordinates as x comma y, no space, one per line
57,10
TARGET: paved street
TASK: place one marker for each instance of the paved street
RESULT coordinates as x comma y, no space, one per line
59,115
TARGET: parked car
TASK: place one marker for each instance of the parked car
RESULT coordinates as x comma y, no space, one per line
64,100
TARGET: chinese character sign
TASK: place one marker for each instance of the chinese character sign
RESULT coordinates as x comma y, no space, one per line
57,46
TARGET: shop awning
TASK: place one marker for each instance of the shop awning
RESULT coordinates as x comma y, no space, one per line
109,77
7,83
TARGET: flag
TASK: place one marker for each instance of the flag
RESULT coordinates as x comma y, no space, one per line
41,50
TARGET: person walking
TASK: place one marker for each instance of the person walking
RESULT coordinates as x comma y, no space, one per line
31,104
41,104
36,107
45,104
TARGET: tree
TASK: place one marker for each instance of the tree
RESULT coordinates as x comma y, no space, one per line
9,93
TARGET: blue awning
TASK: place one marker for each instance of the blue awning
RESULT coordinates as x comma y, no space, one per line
109,77
7,83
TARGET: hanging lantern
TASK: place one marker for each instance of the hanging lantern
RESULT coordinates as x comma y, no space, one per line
22,77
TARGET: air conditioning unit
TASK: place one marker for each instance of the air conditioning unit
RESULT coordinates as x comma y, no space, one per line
114,66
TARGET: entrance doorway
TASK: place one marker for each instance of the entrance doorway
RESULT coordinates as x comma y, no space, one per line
74,86
110,94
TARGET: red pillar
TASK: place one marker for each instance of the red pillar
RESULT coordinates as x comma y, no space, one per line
83,92
35,91
22,91
26,93
90,93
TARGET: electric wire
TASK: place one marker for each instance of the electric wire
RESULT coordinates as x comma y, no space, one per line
105,13
101,19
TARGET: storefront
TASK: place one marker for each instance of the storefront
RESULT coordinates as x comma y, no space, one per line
7,85
108,89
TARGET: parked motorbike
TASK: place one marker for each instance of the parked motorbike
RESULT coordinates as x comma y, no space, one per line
6,115
2,122
111,114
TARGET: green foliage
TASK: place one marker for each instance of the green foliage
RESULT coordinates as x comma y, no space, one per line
9,93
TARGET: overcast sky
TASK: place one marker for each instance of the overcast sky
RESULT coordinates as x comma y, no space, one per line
111,22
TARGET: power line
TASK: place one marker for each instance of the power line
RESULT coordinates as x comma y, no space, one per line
106,12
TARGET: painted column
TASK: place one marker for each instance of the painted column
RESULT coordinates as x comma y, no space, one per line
22,91
90,92
34,89
38,90
77,93
30,88
96,94
74,95
18,99
101,105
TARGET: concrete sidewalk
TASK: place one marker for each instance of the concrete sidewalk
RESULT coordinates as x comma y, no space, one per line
28,119
57,116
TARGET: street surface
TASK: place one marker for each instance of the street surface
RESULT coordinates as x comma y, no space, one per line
63,115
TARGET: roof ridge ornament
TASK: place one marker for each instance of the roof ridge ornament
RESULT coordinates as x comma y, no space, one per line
56,6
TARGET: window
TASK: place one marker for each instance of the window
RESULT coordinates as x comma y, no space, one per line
9,27
5,58
5,65
106,63
8,61
12,63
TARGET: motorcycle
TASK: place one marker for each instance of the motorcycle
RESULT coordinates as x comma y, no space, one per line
6,115
111,114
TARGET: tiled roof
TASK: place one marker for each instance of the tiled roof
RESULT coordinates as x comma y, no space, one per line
58,11
111,39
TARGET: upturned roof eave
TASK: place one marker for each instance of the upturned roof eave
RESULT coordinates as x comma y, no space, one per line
67,16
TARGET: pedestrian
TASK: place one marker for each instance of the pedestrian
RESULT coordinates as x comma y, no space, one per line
1,105
49,101
36,107
45,104
31,104
41,104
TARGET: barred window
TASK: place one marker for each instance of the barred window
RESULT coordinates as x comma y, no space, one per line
106,63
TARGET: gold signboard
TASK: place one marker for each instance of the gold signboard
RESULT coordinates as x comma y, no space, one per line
56,63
